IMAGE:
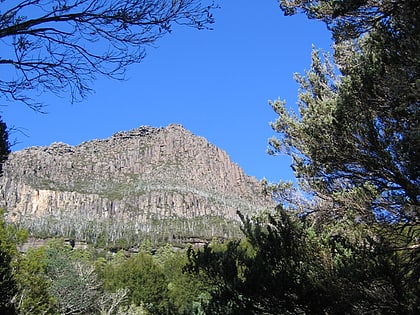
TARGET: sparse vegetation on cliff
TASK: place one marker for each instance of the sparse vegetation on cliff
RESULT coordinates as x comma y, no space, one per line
160,183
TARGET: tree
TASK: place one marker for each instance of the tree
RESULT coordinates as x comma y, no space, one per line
4,144
354,145
10,237
61,46
56,279
33,284
143,278
356,133
7,283
74,283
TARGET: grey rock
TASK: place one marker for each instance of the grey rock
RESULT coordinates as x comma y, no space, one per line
147,180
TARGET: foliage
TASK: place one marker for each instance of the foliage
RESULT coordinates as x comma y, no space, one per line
33,296
7,282
285,264
142,277
354,143
186,293
56,279
155,283
351,19
357,127
50,280
289,265
10,237
4,144
62,46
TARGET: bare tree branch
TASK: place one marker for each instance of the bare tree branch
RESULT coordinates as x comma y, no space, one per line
61,46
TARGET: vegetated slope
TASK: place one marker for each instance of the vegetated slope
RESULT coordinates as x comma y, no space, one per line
165,184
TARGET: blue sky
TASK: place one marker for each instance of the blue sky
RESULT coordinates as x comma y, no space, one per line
217,84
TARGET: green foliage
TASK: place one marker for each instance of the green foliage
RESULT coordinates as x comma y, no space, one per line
267,273
34,284
354,145
144,279
74,283
359,129
155,283
7,252
72,59
285,264
10,237
187,293
55,279
352,18
4,144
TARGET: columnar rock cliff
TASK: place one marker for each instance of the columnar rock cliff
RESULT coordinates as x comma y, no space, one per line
159,182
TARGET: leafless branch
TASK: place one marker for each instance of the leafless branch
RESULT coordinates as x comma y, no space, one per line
61,46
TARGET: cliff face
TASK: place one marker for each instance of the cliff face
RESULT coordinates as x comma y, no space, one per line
159,181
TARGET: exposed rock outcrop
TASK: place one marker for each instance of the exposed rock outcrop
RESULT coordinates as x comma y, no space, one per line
147,180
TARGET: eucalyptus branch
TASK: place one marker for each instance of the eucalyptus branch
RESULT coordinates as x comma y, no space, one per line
62,47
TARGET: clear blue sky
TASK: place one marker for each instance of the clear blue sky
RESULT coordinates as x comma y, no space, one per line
215,83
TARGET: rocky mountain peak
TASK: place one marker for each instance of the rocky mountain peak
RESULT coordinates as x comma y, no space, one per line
163,181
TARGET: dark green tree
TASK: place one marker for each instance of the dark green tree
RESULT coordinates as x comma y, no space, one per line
4,144
10,237
61,46
74,283
187,293
354,144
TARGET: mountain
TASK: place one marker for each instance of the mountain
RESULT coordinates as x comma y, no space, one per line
165,184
